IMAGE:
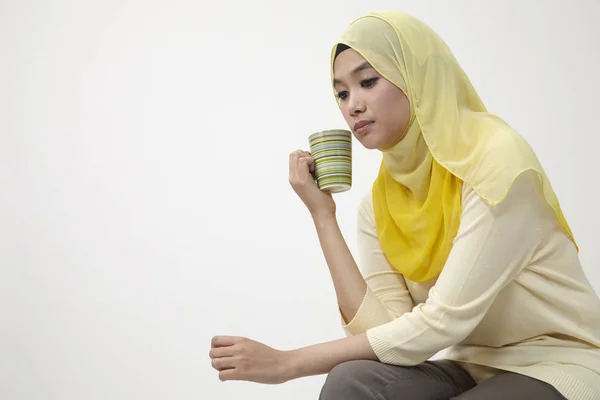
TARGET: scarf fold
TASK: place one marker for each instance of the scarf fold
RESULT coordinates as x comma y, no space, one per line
451,140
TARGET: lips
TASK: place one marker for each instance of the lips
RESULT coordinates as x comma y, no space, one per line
362,126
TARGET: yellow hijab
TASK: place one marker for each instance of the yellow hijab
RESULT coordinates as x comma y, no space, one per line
451,139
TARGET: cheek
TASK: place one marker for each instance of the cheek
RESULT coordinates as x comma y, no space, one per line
346,114
397,110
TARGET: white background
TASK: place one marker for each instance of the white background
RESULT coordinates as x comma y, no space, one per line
145,202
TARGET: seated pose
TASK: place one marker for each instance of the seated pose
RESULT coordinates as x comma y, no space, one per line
463,245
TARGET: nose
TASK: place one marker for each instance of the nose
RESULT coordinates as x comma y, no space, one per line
356,105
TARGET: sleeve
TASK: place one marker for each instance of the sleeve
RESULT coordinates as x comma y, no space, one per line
492,247
387,297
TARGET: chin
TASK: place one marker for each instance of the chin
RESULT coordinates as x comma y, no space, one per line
369,146
371,142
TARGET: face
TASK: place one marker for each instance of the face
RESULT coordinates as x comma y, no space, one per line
369,100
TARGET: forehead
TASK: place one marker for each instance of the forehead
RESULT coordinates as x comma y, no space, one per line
347,63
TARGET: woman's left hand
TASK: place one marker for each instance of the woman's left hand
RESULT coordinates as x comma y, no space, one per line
242,359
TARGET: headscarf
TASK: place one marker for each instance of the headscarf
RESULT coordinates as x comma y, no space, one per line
451,140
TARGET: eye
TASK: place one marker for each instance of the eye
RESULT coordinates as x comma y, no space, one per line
368,82
342,95
365,83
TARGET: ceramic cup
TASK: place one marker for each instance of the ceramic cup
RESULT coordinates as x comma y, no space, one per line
332,151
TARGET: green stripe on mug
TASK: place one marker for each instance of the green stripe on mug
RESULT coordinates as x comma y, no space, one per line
332,151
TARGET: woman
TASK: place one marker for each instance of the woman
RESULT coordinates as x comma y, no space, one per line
462,240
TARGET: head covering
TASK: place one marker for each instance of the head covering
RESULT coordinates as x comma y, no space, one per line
451,139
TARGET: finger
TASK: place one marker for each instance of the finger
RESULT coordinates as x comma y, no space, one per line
296,153
294,162
220,341
225,351
304,154
294,158
228,375
311,164
306,165
224,363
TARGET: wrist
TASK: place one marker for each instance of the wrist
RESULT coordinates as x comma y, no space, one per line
323,216
292,364
322,358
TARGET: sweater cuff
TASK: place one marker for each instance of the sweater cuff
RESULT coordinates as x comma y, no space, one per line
371,313
381,346
384,342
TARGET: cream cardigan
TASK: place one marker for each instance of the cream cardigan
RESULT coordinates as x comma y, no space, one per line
512,296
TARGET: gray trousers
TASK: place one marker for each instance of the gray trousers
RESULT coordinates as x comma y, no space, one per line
431,380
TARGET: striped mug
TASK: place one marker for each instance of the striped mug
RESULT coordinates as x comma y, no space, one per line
332,152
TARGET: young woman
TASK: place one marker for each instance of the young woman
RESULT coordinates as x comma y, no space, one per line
462,241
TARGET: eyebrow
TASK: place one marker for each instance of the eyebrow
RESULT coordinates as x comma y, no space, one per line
361,67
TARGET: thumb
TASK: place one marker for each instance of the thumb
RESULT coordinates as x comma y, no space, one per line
311,164
308,163
307,168
305,164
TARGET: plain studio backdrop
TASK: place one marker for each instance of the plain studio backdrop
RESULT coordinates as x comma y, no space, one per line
145,200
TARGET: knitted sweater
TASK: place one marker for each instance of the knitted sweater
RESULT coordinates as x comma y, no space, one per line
512,296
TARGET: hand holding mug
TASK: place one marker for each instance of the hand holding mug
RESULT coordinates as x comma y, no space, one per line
302,169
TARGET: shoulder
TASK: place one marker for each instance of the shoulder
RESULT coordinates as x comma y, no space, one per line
525,191
525,195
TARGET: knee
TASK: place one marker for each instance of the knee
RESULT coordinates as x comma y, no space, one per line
349,381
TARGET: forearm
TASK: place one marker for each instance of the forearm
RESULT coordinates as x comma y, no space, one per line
350,287
321,358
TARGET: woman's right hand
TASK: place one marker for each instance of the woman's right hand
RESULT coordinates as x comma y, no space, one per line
302,167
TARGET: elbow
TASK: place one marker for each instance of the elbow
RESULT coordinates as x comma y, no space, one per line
414,351
371,313
451,330
420,335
